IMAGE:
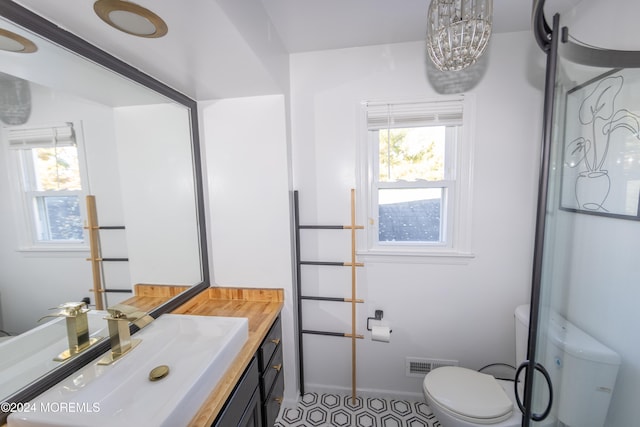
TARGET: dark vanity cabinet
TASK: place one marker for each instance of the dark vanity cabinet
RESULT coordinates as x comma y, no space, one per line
242,409
271,374
255,400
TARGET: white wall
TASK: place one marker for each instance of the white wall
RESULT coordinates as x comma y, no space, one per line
157,189
245,140
462,312
33,282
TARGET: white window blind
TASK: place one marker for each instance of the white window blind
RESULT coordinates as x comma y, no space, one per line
54,136
415,114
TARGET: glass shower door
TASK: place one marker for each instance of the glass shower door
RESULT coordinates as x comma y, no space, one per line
587,345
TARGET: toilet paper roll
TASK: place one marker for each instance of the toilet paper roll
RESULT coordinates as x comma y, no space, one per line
380,333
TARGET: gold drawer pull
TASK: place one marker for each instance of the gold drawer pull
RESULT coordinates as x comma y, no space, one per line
276,341
277,367
279,400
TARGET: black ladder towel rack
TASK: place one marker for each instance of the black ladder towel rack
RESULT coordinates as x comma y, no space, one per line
353,300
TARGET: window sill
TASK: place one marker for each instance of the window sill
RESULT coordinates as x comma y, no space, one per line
416,257
55,250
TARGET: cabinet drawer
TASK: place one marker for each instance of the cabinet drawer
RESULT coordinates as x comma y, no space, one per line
273,368
269,345
273,402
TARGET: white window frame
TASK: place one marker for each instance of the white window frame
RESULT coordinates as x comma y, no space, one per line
456,244
22,195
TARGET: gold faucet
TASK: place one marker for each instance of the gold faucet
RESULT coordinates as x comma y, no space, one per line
119,335
77,329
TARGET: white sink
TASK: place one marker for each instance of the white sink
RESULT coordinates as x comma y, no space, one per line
197,349
28,356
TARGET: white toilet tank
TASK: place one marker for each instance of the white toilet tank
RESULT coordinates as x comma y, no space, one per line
587,372
583,370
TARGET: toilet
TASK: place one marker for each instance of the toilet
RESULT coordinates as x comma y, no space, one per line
461,397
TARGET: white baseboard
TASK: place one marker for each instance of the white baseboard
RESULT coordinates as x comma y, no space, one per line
289,402
365,392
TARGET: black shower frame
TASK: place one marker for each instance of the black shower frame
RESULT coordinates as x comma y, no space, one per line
548,38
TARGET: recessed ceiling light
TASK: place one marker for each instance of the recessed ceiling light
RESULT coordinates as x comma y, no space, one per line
130,18
12,42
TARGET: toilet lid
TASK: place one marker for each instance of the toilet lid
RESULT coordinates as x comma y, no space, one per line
468,393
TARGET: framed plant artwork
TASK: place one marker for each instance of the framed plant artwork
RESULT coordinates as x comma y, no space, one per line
601,151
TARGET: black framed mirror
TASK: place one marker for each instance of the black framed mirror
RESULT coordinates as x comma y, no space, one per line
64,75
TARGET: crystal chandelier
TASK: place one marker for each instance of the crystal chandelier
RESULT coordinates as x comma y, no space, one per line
458,32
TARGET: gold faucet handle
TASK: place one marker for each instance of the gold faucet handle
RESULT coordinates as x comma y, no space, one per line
129,313
121,311
68,309
72,309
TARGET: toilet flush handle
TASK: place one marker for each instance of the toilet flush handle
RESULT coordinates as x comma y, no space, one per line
543,371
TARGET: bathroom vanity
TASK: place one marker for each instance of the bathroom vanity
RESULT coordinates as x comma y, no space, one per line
251,391
247,388
255,400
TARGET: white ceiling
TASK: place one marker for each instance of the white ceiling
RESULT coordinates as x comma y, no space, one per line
210,51
305,25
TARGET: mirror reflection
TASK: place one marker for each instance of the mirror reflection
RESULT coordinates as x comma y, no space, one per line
71,129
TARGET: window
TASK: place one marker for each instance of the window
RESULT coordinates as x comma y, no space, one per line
415,177
48,176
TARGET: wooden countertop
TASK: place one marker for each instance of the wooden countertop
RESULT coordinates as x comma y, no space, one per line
261,307
147,297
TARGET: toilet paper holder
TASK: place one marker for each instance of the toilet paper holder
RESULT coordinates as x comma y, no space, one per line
378,314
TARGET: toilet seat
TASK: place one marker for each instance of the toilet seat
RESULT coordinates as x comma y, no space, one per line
468,395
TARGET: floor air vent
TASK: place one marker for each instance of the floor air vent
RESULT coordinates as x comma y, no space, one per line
419,367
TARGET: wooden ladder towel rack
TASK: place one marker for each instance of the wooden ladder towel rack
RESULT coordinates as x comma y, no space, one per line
353,300
96,257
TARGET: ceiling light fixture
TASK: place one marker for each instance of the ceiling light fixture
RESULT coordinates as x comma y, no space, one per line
12,42
458,32
130,18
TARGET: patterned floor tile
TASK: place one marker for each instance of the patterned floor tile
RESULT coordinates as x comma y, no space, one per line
334,410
